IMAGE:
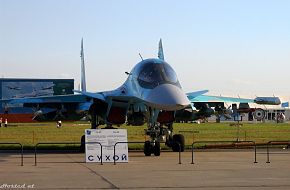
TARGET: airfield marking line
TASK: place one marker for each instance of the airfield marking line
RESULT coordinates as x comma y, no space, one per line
210,187
113,186
57,188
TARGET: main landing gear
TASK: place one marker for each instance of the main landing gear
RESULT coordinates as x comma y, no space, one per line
178,143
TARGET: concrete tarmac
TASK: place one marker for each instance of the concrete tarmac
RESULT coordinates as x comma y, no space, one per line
213,170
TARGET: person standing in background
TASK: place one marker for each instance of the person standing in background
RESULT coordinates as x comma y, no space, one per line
6,123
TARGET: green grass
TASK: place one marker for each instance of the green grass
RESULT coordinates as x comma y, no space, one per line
32,133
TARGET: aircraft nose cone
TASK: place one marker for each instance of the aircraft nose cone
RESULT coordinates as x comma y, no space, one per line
167,97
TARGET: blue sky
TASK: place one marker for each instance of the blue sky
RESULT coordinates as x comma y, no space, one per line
228,47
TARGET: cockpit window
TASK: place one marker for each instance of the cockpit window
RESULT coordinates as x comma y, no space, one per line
153,74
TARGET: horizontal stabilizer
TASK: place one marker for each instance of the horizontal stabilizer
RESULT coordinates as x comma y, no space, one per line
191,95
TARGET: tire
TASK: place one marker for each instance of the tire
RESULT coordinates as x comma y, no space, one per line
169,142
178,142
83,143
156,149
147,148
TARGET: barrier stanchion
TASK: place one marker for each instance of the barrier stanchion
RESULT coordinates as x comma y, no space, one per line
215,142
21,149
101,149
49,143
255,147
123,143
142,142
179,153
282,142
192,153
268,159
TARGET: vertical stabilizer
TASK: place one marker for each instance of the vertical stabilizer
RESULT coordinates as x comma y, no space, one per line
83,73
160,51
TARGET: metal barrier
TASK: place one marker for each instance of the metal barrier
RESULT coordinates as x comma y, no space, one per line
101,149
235,143
179,155
21,146
49,143
286,142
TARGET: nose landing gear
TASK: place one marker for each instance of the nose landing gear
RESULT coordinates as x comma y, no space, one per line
150,148
158,134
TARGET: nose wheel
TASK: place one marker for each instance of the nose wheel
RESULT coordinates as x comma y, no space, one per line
152,148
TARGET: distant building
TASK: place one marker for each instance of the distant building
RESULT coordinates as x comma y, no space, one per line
25,88
272,114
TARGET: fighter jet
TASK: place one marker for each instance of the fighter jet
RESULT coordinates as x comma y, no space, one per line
152,93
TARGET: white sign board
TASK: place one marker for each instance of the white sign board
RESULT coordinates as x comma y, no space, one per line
107,138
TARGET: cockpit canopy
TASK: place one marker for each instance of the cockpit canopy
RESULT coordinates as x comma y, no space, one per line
152,74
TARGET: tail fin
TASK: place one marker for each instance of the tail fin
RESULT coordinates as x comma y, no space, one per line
160,51
83,73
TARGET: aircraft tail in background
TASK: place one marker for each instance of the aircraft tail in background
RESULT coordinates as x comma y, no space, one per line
160,51
83,72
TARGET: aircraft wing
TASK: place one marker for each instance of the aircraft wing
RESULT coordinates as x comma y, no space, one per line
99,96
82,100
207,98
110,95
217,99
73,98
